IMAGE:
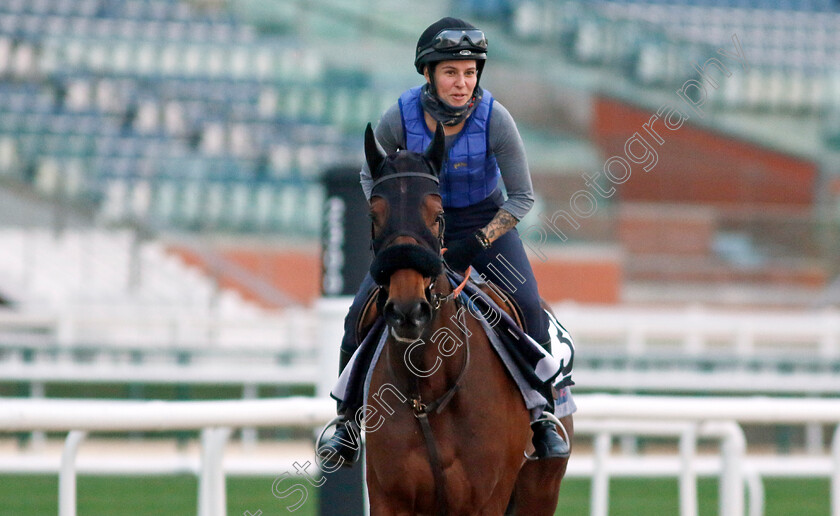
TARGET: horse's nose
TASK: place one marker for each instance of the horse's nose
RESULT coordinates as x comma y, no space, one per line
407,314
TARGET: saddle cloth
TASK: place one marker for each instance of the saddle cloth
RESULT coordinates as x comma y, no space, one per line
532,368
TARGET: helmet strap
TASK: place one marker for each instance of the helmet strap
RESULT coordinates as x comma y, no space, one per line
432,86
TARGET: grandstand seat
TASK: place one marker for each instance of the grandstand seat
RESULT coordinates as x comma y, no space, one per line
191,200
214,204
8,154
16,6
78,95
23,61
47,176
148,115
264,202
239,62
120,71
215,61
286,212
262,64
267,103
145,59
164,201
192,60
140,199
5,55
238,207
173,119
115,201
281,158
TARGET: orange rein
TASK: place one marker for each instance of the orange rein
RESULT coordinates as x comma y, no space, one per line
459,288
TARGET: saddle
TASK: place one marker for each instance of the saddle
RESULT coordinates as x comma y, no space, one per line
370,310
532,367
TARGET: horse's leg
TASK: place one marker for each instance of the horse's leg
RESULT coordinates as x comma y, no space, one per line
538,485
379,505
497,503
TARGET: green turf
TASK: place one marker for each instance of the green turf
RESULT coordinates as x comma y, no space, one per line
37,495
782,497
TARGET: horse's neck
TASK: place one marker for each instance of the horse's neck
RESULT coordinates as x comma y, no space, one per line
434,362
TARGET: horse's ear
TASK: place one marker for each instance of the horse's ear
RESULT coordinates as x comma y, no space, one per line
373,154
436,150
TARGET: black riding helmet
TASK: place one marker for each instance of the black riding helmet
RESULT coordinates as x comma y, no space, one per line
451,39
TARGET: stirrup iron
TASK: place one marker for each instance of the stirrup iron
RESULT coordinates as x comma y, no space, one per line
548,416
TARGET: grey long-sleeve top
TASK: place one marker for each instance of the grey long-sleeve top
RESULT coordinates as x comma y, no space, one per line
505,143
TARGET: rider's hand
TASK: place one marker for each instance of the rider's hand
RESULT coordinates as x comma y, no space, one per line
461,253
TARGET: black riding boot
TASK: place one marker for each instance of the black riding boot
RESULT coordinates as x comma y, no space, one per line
345,441
547,442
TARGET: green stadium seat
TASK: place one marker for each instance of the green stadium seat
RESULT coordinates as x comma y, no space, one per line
264,202
236,213
191,201
164,201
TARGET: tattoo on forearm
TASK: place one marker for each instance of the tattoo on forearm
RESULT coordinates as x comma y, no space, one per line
501,224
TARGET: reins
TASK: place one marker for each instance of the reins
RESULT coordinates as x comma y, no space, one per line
422,410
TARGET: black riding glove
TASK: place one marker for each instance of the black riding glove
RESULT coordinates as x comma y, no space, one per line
461,253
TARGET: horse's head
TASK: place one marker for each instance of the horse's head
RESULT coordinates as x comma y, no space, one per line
407,216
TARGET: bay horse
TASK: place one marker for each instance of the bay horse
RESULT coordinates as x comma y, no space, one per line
451,425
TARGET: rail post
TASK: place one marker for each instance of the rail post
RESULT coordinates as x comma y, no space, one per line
835,473
212,495
600,493
67,474
733,449
688,475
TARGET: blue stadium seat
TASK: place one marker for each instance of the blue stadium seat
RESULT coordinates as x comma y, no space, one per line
130,83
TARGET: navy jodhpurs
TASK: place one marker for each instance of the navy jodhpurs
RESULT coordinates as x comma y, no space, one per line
505,264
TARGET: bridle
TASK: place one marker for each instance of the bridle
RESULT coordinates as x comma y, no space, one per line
434,243
436,300
421,410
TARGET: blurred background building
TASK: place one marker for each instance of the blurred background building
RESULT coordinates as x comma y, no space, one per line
161,198
217,118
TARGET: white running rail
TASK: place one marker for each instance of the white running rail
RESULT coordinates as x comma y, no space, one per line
604,416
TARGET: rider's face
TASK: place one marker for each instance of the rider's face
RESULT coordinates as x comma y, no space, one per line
455,81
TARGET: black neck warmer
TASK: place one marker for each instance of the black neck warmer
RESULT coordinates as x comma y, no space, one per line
443,112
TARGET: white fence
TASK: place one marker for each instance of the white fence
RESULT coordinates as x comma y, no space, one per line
604,416
698,330
690,350
692,332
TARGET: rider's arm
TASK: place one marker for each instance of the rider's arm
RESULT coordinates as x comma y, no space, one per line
506,144
389,134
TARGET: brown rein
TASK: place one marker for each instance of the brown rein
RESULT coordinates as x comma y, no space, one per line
423,410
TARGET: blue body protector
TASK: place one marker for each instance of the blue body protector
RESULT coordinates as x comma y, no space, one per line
469,174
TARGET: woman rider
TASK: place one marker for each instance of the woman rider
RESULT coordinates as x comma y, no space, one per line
483,145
